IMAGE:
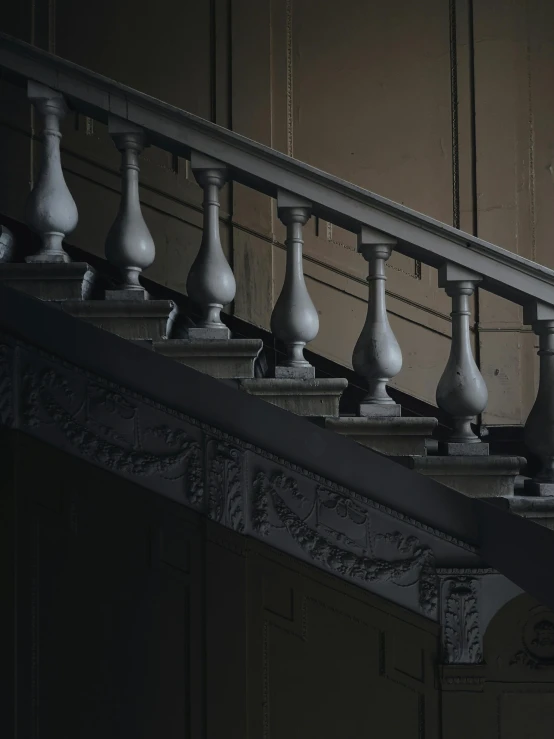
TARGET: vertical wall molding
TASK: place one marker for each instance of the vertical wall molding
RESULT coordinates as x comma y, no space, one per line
213,62
52,26
290,111
531,143
454,115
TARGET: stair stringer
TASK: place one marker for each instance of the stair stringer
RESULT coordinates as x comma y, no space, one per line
232,482
75,387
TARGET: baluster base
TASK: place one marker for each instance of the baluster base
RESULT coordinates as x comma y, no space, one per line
538,488
59,257
127,294
397,436
130,319
481,477
314,398
51,281
205,333
379,410
227,360
285,372
464,449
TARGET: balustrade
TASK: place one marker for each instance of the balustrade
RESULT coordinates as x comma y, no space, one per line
211,283
50,209
461,391
294,320
129,244
377,355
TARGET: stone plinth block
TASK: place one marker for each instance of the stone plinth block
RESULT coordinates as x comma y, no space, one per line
201,333
50,280
477,477
140,294
461,449
538,509
319,397
537,488
292,373
224,359
130,319
380,410
386,435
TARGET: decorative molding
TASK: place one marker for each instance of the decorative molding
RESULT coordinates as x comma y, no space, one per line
290,82
265,680
6,385
225,489
40,356
454,115
461,630
301,513
105,427
466,571
467,678
331,240
371,557
416,274
537,639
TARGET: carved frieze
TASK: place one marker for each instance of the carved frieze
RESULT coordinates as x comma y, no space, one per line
338,534
109,429
296,510
461,631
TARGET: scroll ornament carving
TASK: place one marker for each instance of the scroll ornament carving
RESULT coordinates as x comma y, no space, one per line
225,485
402,560
462,642
48,398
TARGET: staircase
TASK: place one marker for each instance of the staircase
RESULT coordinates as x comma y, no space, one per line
337,467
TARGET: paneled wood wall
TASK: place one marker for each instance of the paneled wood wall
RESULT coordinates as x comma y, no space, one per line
443,106
126,614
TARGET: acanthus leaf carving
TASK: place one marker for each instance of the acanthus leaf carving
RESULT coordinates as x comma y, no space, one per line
225,485
462,639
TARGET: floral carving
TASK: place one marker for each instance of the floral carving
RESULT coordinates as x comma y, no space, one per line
413,562
461,630
101,443
119,429
225,485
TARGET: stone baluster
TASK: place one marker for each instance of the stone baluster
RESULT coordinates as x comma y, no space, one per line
129,244
210,283
294,320
377,355
539,428
50,209
461,391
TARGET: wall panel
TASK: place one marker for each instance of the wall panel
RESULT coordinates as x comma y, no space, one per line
444,107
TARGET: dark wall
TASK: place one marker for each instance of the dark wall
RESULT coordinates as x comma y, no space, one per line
135,619
131,616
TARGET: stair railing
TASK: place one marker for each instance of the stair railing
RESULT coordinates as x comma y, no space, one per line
301,191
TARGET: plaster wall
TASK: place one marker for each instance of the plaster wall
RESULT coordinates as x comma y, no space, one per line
443,107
